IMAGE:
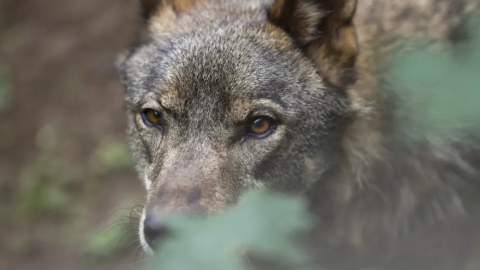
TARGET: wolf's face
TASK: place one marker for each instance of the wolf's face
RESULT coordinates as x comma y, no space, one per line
221,99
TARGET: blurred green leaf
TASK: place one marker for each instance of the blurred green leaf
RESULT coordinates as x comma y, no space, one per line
43,187
5,88
264,224
114,234
104,243
110,155
46,138
440,92
7,135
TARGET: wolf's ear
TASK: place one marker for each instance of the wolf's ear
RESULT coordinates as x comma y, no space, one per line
149,7
152,7
324,30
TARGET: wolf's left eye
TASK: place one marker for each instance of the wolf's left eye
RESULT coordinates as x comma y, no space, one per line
260,126
152,118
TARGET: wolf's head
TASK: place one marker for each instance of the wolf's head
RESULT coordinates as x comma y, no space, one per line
228,95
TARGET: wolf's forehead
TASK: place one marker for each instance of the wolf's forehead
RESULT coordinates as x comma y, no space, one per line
225,57
221,65
219,77
213,65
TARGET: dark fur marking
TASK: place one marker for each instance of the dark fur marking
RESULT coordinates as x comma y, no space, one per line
160,194
194,195
149,7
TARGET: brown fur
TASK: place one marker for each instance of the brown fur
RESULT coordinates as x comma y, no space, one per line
152,6
326,33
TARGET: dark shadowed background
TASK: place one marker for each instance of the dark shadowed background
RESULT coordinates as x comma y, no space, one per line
64,166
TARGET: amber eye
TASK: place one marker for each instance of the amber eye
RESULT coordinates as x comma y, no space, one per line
152,118
261,126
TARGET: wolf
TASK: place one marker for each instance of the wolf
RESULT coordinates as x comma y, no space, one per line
223,96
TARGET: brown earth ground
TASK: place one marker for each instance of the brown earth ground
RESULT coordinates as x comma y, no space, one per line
64,167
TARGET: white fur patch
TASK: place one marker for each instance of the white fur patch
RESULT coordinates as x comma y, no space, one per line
143,242
251,182
147,182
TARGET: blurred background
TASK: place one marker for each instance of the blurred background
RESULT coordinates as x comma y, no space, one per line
64,165
69,196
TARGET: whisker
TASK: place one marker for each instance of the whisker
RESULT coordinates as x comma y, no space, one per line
136,263
131,227
114,222
246,258
116,226
135,254
119,241
115,211
132,241
130,238
129,217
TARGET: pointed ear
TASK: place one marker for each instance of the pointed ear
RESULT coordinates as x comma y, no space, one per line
324,29
151,8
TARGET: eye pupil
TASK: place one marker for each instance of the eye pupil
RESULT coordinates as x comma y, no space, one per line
260,126
259,123
152,117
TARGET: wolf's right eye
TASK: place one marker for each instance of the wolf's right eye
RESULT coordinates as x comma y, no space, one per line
261,127
152,118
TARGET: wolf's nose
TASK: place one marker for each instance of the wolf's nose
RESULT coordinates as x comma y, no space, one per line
154,229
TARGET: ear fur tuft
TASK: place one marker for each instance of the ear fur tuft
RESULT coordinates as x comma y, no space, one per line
324,29
152,7
149,7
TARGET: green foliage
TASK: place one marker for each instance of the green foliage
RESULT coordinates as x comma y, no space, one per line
110,155
101,244
440,91
43,188
47,138
5,88
105,241
113,235
264,224
45,184
7,135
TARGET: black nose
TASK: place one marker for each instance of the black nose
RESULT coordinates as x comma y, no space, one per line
154,229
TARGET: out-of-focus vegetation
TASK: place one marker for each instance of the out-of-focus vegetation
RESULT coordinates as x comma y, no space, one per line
264,224
64,164
439,93
7,135
53,187
5,87
112,235
50,186
110,155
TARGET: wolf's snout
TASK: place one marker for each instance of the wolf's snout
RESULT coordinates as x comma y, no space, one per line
154,229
